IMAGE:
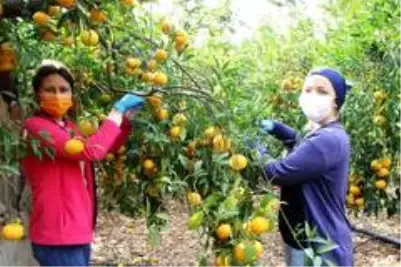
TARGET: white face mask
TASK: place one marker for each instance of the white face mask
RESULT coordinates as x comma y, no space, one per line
316,107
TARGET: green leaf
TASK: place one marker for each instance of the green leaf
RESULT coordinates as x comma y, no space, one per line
309,252
198,166
204,261
183,160
196,220
329,263
50,152
317,261
45,135
9,170
212,200
153,236
35,145
318,240
308,230
326,248
164,216
164,180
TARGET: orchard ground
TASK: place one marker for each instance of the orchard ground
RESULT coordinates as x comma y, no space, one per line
123,240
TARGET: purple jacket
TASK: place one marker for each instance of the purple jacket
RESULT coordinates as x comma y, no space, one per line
313,179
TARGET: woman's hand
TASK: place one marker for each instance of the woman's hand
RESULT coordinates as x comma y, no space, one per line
267,125
129,102
130,113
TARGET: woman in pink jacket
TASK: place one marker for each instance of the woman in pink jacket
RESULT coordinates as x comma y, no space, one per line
63,216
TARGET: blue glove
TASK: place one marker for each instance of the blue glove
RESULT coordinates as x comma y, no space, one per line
128,102
267,125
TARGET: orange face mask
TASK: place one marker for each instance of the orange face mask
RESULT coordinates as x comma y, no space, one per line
57,106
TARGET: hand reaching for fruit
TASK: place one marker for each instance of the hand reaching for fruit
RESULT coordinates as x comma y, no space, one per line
129,102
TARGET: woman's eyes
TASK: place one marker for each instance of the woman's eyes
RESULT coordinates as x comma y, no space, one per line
54,90
320,91
64,90
49,90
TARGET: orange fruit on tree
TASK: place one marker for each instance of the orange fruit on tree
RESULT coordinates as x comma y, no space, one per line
375,165
354,190
154,101
380,120
151,65
191,149
180,47
179,119
221,144
53,11
259,248
238,162
350,199
148,164
181,38
7,48
224,231
41,18
66,3
87,127
6,66
160,79
259,225
379,95
360,202
194,199
386,163
137,72
133,62
162,114
211,132
90,38
147,77
74,146
286,84
105,98
151,172
13,231
7,57
380,184
127,2
47,36
160,55
97,15
383,172
222,260
175,131
67,41
239,253
165,26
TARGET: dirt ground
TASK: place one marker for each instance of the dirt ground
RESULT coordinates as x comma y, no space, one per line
121,240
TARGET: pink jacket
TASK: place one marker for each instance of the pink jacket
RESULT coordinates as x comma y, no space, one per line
63,188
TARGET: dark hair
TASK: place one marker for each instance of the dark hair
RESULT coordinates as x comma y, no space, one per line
49,67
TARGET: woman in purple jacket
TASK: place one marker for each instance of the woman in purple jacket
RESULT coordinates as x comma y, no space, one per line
313,176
